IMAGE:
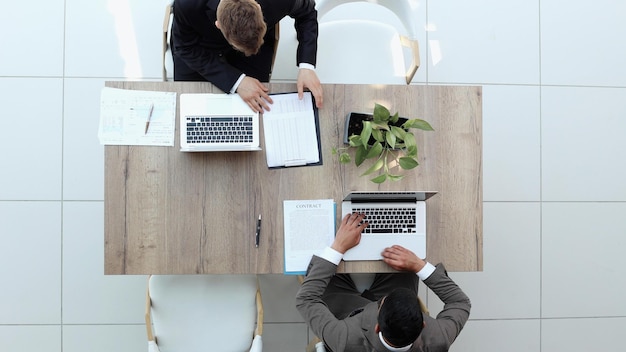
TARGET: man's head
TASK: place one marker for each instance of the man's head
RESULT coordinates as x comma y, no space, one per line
400,319
241,22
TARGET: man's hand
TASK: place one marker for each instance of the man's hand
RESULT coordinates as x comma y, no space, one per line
254,93
349,233
402,259
308,79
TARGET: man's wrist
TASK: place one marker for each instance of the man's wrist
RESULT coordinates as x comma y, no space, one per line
236,85
337,247
307,66
426,271
331,255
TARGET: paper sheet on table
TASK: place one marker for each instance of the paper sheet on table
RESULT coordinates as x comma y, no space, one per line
124,113
309,227
291,132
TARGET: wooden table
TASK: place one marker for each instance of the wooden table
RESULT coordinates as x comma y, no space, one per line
168,212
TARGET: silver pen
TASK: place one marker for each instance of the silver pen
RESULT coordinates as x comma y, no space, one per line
149,117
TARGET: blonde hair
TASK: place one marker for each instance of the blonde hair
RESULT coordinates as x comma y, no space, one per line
241,22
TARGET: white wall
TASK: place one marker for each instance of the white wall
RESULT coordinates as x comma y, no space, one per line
554,90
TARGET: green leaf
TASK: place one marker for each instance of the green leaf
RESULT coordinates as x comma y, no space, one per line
381,113
395,177
411,152
419,124
380,126
395,118
355,141
407,163
360,154
344,158
398,132
391,140
377,166
366,132
379,178
409,140
378,135
374,151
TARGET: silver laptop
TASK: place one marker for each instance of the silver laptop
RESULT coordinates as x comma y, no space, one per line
393,217
217,123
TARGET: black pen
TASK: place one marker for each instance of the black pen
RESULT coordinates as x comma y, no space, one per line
258,232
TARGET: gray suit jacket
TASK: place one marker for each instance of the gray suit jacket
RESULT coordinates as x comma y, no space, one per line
357,333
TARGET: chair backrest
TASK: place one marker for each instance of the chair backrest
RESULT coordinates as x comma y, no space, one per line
395,56
405,10
364,52
203,312
276,40
167,62
285,67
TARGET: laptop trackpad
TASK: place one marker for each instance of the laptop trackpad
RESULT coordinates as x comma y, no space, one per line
372,246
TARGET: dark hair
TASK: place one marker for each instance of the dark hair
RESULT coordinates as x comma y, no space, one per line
400,319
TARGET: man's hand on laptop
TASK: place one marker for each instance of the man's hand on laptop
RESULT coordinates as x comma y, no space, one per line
349,232
255,94
402,259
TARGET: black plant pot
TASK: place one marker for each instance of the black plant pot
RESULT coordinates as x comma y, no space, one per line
354,125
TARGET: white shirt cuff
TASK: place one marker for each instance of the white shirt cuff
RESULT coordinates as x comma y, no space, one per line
426,271
331,255
307,66
234,88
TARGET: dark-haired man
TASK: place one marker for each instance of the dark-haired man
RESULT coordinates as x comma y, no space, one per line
387,316
231,44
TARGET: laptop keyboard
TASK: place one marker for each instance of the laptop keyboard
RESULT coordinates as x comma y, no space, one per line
399,220
219,129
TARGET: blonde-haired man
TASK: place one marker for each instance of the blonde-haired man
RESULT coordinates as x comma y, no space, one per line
230,43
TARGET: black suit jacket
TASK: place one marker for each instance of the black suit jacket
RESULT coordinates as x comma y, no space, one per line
198,43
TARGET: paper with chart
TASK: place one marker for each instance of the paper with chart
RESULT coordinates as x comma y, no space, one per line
291,132
309,227
136,117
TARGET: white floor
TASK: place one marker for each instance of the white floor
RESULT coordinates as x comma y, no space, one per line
554,88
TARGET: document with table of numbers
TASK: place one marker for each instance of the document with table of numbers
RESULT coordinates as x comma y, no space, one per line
291,131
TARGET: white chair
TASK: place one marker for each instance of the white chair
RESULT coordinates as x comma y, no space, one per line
167,63
405,18
405,10
388,53
365,52
285,66
194,313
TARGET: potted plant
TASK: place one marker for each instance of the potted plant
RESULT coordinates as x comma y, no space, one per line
383,138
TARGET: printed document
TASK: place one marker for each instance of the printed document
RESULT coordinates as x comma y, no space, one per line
136,117
291,132
309,227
